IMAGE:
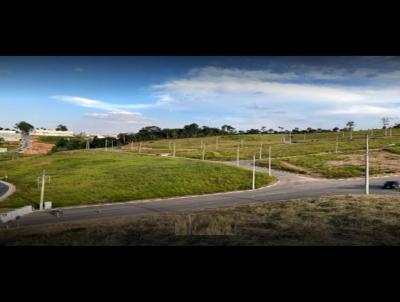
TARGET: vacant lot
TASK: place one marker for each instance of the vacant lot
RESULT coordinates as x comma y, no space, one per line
88,177
225,147
337,220
336,166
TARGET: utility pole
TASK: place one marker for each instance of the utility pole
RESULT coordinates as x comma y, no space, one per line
237,156
269,161
42,191
366,167
260,151
106,146
337,144
254,172
174,151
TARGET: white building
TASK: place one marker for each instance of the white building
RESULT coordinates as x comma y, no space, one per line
51,132
10,135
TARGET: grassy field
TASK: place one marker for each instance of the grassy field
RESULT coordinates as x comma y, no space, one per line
225,147
335,220
89,177
336,166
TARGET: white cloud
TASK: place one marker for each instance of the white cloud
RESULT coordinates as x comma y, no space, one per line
85,102
120,117
164,101
362,110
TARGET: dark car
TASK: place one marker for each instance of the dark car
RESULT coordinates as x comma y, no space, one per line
391,185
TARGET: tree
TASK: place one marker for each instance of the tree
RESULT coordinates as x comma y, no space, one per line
336,129
24,127
61,128
350,126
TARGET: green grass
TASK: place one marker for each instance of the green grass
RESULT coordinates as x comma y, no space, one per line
227,145
335,220
394,149
89,177
50,139
10,156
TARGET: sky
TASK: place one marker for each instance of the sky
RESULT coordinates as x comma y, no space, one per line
107,95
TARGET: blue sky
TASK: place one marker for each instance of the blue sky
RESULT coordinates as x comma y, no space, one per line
123,94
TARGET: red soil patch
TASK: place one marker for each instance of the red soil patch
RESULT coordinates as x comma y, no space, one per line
38,147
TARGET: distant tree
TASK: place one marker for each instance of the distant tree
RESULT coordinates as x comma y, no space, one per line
253,131
263,129
227,128
350,126
336,129
24,127
1,128
61,128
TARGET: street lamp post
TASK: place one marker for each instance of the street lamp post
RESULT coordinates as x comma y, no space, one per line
366,167
269,161
254,172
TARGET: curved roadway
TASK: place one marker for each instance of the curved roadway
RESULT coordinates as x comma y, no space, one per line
290,186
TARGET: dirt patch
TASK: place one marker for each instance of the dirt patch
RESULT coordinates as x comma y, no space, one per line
381,160
295,168
38,147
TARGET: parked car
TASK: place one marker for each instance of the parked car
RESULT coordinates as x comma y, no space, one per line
392,185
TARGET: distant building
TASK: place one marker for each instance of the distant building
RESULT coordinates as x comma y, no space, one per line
10,135
51,132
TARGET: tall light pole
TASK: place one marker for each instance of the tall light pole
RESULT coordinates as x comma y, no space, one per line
254,172
269,161
337,144
366,166
42,191
237,155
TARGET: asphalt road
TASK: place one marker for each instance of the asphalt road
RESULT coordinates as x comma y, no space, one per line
3,189
290,186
